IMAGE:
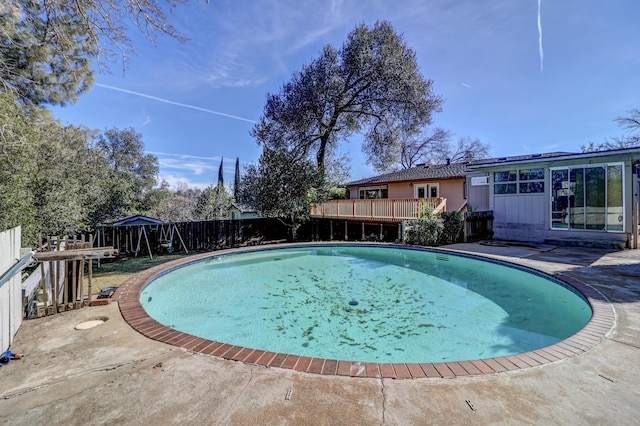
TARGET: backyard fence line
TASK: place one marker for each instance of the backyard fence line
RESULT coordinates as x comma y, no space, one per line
141,239
478,225
10,289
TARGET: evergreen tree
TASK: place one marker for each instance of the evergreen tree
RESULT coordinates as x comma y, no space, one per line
48,47
236,182
220,173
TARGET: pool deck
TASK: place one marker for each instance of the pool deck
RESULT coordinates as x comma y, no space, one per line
112,373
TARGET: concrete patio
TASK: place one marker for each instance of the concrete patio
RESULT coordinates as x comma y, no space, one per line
112,374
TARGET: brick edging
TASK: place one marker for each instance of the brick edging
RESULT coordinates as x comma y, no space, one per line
599,326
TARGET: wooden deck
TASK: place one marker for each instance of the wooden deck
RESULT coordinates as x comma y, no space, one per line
382,210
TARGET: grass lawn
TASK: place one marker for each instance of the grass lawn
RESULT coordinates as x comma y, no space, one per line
113,273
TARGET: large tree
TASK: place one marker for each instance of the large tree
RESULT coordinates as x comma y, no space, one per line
372,86
131,176
47,47
401,150
464,150
431,146
283,187
18,146
176,205
67,177
213,203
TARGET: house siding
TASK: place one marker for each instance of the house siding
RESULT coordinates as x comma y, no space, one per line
526,217
451,189
477,195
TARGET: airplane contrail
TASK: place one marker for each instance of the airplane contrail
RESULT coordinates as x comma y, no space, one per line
167,101
540,37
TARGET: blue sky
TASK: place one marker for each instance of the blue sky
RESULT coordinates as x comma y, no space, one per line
524,76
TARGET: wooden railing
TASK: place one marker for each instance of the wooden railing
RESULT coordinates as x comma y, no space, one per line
383,209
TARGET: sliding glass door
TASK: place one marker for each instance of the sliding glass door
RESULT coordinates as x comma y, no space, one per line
587,198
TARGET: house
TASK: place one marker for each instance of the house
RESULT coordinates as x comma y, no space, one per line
137,220
377,205
574,198
239,211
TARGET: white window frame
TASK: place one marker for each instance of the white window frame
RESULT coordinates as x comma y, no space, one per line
427,189
377,188
585,166
518,181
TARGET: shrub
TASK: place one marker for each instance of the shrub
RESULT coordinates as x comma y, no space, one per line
453,224
425,231
434,229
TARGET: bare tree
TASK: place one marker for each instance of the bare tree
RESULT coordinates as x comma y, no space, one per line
630,124
424,147
465,150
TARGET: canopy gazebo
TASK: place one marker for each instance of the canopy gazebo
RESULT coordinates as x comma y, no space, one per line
127,235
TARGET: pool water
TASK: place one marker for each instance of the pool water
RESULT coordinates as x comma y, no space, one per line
366,303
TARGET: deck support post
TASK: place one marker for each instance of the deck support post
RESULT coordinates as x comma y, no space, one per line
331,230
381,232
363,236
346,231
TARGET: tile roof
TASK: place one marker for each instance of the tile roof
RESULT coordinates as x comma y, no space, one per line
422,172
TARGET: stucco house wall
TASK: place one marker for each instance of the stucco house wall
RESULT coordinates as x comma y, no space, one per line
450,180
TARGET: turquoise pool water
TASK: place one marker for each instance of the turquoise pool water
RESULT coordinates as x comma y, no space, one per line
367,303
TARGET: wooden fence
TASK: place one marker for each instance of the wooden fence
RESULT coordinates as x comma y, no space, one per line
190,236
57,284
478,226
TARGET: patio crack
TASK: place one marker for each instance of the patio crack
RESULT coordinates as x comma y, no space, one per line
57,379
624,343
233,403
384,400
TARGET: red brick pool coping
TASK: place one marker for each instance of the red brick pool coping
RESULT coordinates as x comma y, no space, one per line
128,297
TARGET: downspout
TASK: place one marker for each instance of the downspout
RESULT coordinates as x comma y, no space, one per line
635,205
17,267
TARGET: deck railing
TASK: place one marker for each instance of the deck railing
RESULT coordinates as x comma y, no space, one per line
380,209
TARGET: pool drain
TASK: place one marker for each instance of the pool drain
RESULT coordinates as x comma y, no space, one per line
353,303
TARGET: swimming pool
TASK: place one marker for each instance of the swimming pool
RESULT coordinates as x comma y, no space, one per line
377,304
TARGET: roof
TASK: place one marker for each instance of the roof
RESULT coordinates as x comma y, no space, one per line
137,220
519,158
551,156
422,172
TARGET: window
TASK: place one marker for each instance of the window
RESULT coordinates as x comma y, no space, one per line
525,181
368,192
427,191
587,198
